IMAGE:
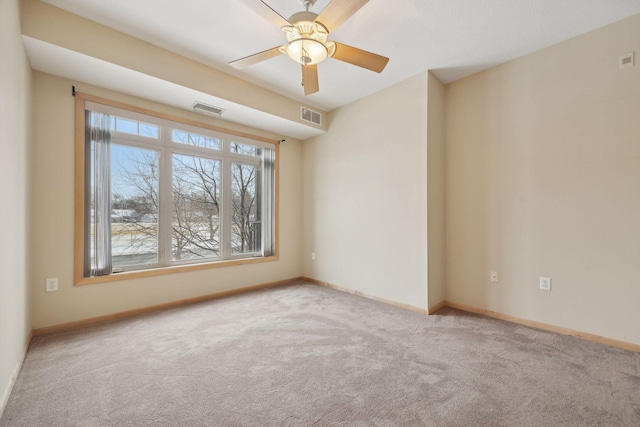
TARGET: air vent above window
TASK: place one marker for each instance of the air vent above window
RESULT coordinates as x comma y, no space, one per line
209,110
310,116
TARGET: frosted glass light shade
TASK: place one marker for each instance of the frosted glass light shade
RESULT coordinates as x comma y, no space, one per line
307,51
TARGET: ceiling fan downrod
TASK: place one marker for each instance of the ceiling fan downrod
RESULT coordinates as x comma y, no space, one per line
307,4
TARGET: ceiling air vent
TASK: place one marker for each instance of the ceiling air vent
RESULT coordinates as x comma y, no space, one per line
310,116
209,110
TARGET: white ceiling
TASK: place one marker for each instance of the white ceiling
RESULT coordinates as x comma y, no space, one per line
453,38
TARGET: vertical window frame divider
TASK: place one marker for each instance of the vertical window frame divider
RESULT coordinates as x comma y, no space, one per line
164,231
165,213
226,202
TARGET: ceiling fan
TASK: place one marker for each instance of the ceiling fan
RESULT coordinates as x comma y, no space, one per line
307,40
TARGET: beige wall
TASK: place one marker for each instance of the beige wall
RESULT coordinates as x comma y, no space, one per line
435,192
15,86
365,196
53,221
543,179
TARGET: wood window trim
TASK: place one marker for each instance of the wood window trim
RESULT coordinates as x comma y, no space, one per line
79,194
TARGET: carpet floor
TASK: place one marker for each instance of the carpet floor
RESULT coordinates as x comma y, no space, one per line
302,355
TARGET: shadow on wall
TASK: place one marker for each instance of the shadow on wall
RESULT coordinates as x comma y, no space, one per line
451,74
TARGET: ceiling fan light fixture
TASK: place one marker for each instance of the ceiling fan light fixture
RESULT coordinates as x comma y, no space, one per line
307,51
308,41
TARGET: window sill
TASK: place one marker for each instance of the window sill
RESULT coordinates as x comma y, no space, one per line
116,277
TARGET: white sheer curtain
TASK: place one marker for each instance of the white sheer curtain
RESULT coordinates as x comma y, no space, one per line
268,201
99,153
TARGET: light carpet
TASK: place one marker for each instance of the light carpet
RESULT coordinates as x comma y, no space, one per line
302,355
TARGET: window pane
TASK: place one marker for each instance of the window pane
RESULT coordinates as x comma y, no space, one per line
196,214
183,137
147,130
126,126
134,127
245,149
134,206
246,228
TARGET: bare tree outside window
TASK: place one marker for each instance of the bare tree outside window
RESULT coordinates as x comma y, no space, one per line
246,225
196,207
134,206
161,192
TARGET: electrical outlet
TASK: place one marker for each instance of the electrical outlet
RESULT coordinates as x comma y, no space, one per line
494,276
313,256
52,284
545,283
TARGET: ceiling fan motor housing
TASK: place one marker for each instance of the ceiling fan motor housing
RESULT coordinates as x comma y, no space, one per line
307,39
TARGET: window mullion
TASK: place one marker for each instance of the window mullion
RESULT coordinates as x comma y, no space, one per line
166,200
226,206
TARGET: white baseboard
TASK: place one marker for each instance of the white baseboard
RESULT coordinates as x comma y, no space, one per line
14,375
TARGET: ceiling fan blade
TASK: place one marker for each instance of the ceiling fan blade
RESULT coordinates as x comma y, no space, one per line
264,10
310,79
360,58
339,11
255,58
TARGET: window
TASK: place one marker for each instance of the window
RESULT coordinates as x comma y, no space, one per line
161,194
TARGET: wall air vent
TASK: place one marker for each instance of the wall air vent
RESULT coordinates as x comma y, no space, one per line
310,116
626,61
209,110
